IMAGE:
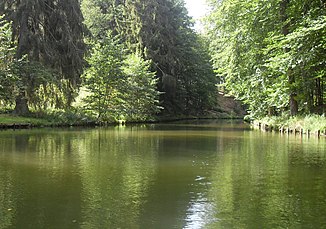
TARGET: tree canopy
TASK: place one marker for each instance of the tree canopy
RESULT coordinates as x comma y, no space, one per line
7,59
48,45
160,31
49,37
271,54
119,86
143,55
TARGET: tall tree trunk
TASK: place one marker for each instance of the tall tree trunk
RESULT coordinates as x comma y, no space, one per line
291,77
310,101
319,93
319,96
293,105
21,107
292,100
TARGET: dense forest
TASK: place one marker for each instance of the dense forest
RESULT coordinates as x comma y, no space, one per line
134,60
113,59
271,54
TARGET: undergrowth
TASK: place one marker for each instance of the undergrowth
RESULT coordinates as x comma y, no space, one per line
309,122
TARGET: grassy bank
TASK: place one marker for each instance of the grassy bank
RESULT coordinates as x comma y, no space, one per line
310,124
77,118
57,118
7,120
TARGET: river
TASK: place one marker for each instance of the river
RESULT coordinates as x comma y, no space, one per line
204,174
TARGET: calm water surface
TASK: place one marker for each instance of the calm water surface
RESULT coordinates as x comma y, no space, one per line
207,174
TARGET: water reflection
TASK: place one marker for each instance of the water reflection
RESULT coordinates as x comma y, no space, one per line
266,186
117,167
200,212
193,175
7,210
41,183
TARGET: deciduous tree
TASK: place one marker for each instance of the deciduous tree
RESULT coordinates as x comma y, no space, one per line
270,54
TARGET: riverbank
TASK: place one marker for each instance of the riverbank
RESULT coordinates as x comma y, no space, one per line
65,119
227,108
9,121
308,125
17,122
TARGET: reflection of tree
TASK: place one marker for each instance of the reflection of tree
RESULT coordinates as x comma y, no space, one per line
246,190
57,175
7,200
257,184
43,179
132,177
307,180
117,167
176,194
7,192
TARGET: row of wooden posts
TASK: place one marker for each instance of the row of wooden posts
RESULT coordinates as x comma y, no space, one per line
300,131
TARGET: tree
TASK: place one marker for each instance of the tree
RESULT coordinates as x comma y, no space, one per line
15,73
119,86
270,53
160,31
103,79
100,16
7,60
50,35
140,94
293,103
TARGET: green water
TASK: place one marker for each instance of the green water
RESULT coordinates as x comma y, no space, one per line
207,174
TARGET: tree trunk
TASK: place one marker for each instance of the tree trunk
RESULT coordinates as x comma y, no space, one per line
292,100
291,77
293,105
310,101
319,93
21,107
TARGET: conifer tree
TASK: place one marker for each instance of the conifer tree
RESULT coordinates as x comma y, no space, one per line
50,34
160,30
7,61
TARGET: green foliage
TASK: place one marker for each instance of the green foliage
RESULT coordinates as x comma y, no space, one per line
7,61
140,94
56,117
160,31
50,51
68,117
309,122
306,58
268,53
37,81
119,86
198,81
99,16
104,78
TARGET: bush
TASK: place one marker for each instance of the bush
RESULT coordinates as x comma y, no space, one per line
69,117
310,122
